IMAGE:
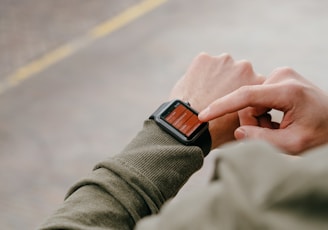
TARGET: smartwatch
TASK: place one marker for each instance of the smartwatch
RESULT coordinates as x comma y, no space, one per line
178,119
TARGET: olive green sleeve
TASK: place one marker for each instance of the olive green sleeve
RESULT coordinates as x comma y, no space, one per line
254,186
129,186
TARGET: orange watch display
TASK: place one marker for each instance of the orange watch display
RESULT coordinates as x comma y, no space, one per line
181,121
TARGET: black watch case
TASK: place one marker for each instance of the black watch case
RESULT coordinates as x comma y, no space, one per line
180,120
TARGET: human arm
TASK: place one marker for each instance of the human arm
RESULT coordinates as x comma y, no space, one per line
124,188
153,167
253,186
305,107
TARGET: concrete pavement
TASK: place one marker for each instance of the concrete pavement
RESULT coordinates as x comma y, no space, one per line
60,122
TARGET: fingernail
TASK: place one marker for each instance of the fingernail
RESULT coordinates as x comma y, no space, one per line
240,133
203,114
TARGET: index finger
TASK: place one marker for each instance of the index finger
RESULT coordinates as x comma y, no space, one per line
270,96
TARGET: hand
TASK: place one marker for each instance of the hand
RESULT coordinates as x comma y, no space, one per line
209,78
305,107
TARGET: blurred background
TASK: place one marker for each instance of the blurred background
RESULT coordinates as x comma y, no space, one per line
78,77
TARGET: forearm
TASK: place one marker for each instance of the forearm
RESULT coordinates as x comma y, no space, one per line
123,189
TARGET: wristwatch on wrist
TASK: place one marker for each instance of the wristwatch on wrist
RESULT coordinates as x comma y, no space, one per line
178,119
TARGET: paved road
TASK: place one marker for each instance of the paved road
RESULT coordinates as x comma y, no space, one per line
58,123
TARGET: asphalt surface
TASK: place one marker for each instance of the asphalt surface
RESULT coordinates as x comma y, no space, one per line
56,124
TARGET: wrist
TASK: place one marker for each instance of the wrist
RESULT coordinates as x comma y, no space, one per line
160,158
222,129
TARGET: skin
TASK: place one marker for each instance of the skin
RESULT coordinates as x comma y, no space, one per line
209,78
305,107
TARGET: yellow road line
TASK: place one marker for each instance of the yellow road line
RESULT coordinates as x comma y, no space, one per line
125,17
40,64
103,29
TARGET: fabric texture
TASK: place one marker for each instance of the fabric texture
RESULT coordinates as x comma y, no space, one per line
135,183
254,186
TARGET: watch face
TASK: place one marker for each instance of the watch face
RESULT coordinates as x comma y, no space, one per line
183,119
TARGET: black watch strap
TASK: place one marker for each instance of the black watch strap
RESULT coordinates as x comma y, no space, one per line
204,142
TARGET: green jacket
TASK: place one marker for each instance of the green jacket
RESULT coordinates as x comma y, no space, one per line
253,187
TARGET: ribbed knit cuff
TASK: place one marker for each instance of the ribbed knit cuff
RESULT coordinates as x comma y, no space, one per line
166,163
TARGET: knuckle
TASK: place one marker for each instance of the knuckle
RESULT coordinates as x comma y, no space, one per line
246,92
295,88
297,144
201,57
282,73
284,70
205,57
244,63
225,57
245,66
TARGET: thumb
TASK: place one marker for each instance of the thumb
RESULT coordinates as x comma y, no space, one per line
256,132
279,137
